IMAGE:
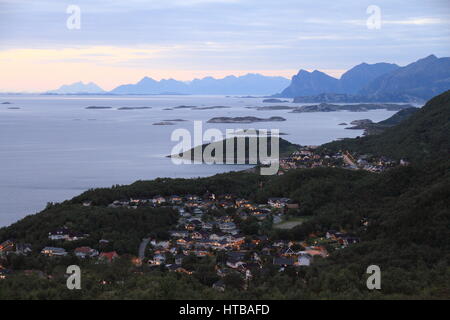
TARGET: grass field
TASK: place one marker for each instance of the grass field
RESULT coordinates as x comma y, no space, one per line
290,223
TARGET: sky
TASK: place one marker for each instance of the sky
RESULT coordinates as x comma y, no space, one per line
122,41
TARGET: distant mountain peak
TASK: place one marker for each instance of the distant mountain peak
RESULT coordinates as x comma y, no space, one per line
317,82
78,88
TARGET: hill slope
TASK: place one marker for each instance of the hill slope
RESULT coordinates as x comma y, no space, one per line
424,135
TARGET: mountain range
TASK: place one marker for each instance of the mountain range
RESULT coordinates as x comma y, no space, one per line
248,84
313,83
364,83
78,88
380,82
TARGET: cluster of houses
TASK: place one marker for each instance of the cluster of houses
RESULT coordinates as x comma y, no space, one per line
308,157
199,234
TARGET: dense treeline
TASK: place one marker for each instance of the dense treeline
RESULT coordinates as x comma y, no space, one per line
123,228
238,183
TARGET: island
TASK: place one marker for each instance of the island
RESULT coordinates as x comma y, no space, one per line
133,108
327,107
244,119
164,123
286,148
270,108
97,107
210,108
274,100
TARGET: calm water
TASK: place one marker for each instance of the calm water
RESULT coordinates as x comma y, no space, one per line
52,148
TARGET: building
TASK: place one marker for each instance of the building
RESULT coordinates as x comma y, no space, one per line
278,202
53,251
108,256
85,252
7,246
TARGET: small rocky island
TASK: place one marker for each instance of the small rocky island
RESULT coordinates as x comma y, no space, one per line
210,108
274,100
133,108
97,107
175,120
164,123
244,119
270,108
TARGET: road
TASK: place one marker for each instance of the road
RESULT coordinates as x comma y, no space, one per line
142,247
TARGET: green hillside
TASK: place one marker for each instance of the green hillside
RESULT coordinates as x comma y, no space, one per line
423,136
285,149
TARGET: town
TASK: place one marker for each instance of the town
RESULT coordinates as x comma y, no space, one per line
208,225
310,157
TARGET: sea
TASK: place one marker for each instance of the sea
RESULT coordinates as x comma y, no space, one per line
53,148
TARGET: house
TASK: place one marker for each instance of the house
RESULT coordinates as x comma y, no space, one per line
85,252
235,263
191,197
160,244
157,260
59,234
217,236
200,235
227,227
119,203
7,246
280,243
52,251
197,211
304,260
284,262
159,200
201,253
179,234
23,248
207,226
235,259
278,202
108,256
175,199
75,236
